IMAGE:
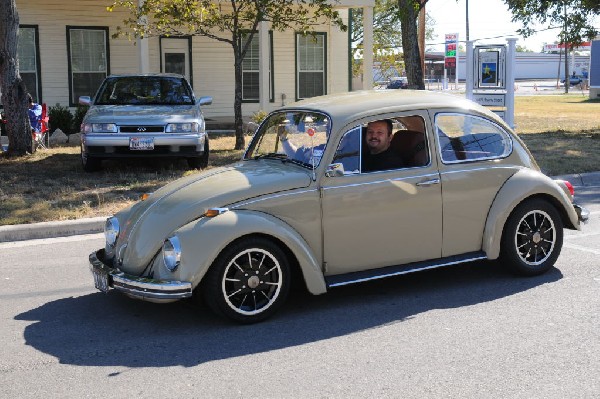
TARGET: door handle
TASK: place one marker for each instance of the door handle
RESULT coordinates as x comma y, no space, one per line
428,183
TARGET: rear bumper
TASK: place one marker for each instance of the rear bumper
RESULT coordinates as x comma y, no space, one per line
135,286
583,214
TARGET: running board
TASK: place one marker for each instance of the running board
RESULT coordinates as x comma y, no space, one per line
339,280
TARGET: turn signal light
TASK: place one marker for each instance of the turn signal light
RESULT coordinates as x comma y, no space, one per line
212,212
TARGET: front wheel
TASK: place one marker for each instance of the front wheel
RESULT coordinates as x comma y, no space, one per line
249,281
200,162
90,164
532,238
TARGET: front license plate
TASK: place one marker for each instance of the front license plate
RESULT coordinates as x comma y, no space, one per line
141,143
100,279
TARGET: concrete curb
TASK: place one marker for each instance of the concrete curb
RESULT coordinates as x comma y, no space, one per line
21,232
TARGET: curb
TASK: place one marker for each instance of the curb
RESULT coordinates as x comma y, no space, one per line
21,232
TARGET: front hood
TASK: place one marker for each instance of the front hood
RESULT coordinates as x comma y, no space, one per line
145,225
141,114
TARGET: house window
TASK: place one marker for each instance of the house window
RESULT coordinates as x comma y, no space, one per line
27,53
88,60
310,65
250,70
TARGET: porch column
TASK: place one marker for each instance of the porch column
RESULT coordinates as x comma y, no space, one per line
264,63
142,45
368,48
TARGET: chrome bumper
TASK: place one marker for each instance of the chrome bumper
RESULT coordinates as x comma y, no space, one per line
583,214
106,277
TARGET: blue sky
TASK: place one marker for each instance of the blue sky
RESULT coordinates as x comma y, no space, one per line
488,19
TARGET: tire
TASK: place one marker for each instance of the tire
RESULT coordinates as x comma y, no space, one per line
200,162
248,282
532,238
90,164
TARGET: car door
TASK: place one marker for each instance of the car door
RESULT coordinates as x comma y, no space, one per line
381,218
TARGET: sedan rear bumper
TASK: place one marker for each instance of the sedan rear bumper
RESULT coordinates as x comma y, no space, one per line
106,277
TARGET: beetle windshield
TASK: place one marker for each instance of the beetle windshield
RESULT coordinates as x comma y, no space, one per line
295,136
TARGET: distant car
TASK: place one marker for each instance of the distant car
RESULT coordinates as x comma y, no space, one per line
301,208
573,81
399,82
148,115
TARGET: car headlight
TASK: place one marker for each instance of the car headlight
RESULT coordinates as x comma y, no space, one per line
190,127
99,128
111,233
171,253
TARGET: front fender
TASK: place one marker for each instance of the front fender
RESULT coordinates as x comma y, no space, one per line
203,240
522,185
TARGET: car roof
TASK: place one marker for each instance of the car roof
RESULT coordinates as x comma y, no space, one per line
130,75
349,106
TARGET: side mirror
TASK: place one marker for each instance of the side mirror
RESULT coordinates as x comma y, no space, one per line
335,170
206,100
85,100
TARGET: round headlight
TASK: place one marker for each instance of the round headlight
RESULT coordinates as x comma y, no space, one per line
111,231
171,253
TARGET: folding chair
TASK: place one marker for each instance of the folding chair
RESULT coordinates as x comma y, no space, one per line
42,139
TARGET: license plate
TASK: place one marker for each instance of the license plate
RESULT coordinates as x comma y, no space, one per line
100,279
141,143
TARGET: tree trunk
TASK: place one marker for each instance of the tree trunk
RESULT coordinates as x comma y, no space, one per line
14,93
240,142
410,44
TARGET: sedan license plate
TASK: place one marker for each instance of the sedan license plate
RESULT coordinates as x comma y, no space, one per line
141,143
100,279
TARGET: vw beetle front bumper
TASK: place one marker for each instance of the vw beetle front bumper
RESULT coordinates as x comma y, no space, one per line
106,277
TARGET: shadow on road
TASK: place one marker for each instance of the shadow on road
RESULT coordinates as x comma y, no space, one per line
113,330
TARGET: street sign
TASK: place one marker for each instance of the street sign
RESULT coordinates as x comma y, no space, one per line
490,99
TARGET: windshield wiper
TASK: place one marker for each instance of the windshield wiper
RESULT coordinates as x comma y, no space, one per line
272,155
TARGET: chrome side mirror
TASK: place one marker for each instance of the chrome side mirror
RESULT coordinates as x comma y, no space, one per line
85,100
335,170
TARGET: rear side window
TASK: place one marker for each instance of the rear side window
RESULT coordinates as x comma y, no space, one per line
470,138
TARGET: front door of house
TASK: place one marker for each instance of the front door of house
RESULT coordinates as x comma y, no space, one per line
175,56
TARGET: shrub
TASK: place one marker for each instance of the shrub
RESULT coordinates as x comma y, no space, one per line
78,118
60,118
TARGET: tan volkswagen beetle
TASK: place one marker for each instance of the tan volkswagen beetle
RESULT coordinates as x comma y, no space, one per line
313,200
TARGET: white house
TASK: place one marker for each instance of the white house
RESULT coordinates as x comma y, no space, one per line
66,50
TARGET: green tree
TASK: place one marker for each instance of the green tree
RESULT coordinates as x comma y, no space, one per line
387,36
14,92
234,22
574,17
409,12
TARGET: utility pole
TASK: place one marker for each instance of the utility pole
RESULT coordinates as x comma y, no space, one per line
567,80
467,18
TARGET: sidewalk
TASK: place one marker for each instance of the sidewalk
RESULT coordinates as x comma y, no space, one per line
21,232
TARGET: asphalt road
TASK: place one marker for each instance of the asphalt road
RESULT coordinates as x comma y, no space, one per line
471,331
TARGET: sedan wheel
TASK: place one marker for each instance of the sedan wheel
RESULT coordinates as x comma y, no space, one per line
532,238
249,281
90,164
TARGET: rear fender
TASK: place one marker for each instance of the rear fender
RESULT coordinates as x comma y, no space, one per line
524,184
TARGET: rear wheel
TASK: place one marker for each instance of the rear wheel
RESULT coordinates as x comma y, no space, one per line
532,238
249,281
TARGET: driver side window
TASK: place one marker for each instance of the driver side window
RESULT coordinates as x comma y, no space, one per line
348,151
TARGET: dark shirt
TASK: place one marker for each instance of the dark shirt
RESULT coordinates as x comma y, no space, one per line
385,160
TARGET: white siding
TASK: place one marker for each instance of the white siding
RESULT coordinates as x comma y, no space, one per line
212,61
